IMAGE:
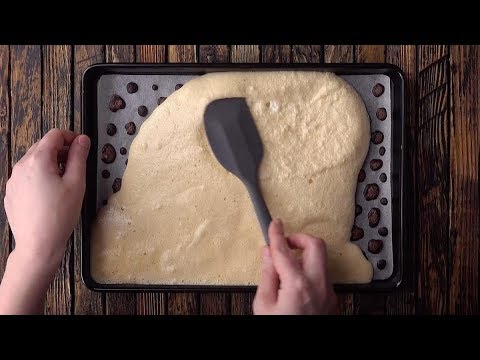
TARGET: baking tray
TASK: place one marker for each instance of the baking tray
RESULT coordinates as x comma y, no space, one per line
361,76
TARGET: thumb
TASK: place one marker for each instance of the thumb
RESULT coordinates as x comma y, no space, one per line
269,281
76,165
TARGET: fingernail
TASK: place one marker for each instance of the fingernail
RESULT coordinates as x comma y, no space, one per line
84,140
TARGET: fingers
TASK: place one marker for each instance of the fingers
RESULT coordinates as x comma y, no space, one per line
54,141
75,167
314,256
269,282
283,258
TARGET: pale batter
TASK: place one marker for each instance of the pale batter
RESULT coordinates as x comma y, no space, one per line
181,218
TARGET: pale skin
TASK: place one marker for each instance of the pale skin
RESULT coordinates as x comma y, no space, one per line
43,206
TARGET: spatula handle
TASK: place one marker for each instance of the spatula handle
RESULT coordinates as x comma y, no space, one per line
263,215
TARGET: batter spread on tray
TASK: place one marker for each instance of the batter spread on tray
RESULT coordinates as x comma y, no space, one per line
181,218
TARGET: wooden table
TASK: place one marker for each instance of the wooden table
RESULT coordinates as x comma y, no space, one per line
40,89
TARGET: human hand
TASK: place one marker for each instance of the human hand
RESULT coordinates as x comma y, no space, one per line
42,205
293,286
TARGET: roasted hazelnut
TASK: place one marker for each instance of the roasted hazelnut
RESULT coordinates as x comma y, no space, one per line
131,128
105,174
383,231
377,137
361,176
132,87
373,217
117,184
375,246
381,114
371,192
381,264
116,103
378,90
376,164
108,154
357,233
142,111
111,129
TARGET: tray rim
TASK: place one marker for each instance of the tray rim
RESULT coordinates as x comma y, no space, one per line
92,74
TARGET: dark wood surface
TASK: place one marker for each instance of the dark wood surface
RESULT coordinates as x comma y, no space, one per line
40,89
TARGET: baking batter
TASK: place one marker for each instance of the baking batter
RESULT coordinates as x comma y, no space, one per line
181,218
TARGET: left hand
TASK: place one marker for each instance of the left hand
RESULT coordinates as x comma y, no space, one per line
42,205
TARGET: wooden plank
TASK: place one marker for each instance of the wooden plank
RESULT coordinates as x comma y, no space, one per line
57,113
241,303
338,53
214,303
85,301
341,54
307,53
182,303
371,53
369,303
276,54
26,104
150,303
433,167
4,152
214,53
464,181
150,53
26,111
182,53
120,303
245,54
120,53
403,301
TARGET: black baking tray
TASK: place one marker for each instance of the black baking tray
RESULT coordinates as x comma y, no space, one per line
89,127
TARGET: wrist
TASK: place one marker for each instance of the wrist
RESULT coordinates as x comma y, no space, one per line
30,263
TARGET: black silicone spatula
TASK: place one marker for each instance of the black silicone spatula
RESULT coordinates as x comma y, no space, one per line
235,141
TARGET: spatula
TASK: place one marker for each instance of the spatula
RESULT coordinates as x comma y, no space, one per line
235,141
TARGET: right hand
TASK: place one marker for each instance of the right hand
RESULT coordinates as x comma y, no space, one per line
292,286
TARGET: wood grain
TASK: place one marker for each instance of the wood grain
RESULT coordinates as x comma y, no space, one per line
182,53
120,303
433,166
276,54
403,301
369,303
26,104
57,113
245,54
341,54
4,152
464,179
241,303
307,53
86,302
26,111
120,53
150,53
370,53
182,303
338,53
214,53
151,303
214,303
